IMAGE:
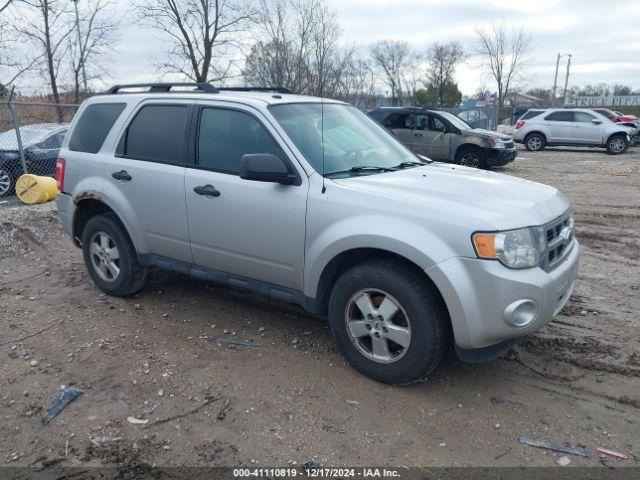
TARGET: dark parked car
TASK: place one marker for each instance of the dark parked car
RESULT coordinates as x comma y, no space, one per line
444,137
41,143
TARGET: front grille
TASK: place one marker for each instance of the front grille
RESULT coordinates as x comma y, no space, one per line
509,144
559,240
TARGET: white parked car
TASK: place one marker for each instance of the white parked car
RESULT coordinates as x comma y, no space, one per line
539,128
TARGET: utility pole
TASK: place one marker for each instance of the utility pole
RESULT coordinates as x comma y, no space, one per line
555,81
566,79
80,48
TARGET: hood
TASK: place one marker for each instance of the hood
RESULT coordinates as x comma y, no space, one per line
481,132
485,200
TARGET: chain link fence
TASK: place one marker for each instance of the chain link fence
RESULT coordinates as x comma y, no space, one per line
31,134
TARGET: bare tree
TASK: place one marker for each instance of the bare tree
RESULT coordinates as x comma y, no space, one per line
299,47
503,52
392,57
97,32
443,58
46,26
200,34
13,63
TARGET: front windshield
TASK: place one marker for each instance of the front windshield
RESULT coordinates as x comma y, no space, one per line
352,140
455,121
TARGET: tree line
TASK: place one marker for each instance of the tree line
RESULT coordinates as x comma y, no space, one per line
296,44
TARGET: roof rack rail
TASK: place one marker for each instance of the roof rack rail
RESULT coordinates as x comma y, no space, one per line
257,89
166,87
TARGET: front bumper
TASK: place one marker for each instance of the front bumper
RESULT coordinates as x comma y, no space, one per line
499,157
480,294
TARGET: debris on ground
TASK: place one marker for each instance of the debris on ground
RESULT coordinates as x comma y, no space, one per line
497,401
137,421
226,406
503,453
636,457
228,341
563,461
556,447
208,400
613,453
355,403
607,463
68,395
334,428
101,441
23,352
309,464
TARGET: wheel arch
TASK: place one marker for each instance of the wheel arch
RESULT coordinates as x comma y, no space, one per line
88,205
468,146
347,259
617,133
539,132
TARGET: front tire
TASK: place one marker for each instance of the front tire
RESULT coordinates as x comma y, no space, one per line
617,144
110,257
7,183
473,157
535,142
388,321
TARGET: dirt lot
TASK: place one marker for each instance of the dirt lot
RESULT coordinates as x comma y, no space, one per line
293,397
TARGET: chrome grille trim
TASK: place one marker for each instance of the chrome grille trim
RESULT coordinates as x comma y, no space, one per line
558,237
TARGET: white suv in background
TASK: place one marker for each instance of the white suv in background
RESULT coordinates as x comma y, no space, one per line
539,128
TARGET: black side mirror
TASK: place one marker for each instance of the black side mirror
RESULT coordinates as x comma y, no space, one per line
265,167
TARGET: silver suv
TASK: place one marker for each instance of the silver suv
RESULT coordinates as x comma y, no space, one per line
571,127
313,202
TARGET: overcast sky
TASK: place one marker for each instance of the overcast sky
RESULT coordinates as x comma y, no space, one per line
602,35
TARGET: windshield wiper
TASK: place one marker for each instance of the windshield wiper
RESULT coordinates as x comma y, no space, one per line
363,168
409,164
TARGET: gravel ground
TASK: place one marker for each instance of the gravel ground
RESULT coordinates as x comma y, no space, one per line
293,397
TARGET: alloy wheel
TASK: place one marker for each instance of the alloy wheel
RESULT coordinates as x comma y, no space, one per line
5,182
617,145
534,143
470,159
378,326
105,257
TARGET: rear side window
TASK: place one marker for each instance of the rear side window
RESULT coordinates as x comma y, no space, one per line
157,134
560,117
226,135
397,120
583,117
531,114
93,126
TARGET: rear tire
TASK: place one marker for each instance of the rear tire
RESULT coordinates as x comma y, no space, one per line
381,301
617,144
535,142
473,157
111,258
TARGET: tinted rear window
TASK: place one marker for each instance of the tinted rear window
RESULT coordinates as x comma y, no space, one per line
93,126
560,117
157,134
531,114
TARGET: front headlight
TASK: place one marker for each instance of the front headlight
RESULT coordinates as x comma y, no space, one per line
514,248
495,142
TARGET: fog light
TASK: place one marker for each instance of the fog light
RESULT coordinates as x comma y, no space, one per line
521,313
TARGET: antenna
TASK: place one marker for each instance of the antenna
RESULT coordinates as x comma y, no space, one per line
324,188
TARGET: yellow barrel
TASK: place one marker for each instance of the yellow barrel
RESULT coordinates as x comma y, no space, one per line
32,189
